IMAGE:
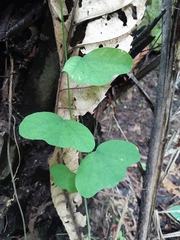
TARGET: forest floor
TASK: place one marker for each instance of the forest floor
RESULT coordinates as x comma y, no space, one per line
109,209
133,123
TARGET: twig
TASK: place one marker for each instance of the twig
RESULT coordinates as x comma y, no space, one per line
120,128
131,76
121,219
87,219
157,224
17,146
172,160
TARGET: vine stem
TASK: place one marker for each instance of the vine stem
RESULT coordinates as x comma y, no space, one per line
87,217
8,147
70,110
66,58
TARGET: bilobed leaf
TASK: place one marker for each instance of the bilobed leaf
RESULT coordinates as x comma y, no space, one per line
99,66
105,167
55,131
63,177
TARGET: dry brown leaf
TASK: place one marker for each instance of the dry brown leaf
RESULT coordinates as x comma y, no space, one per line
140,56
67,210
170,187
83,98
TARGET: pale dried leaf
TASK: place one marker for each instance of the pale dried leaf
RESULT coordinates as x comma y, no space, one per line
94,8
55,7
66,209
110,30
67,154
121,42
64,202
83,98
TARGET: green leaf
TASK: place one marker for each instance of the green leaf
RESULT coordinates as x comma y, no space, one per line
63,177
99,66
55,131
105,167
143,165
120,236
176,212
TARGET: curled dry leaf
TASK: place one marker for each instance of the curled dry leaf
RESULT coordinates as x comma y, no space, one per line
65,203
140,56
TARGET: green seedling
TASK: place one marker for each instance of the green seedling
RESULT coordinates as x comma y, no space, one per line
106,166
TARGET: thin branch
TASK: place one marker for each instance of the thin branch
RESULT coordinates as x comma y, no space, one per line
121,219
8,147
120,128
131,76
